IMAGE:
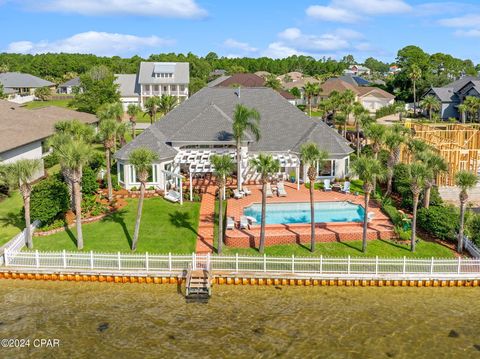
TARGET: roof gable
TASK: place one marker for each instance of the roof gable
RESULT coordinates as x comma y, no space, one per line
18,79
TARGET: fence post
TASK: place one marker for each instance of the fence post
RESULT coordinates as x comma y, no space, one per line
348,265
236,262
321,263
194,262
459,270
170,261
264,262
376,265
119,261
37,259
431,266
208,261
293,263
5,255
147,265
64,259
91,260
404,264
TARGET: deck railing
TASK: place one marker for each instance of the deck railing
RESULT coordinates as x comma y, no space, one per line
170,263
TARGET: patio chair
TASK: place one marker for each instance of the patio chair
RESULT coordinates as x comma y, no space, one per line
244,222
237,194
281,189
346,187
247,191
172,196
370,216
230,223
269,192
326,185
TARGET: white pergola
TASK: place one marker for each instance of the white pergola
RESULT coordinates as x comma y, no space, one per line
177,178
198,161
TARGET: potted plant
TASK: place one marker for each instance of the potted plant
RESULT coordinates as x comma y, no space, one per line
292,176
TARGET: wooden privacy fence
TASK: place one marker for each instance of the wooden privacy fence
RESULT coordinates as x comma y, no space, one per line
458,144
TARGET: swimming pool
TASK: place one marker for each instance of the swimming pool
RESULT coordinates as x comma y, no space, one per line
288,213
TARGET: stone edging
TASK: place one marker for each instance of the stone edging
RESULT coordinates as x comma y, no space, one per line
61,229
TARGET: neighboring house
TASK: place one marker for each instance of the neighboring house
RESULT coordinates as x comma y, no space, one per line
354,80
190,134
263,74
247,80
290,77
17,84
67,87
163,78
357,70
394,69
217,72
454,94
300,83
24,131
129,89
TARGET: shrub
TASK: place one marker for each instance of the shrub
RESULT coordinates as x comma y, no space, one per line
302,107
90,205
97,161
115,185
389,110
440,221
49,200
473,228
89,181
393,213
57,223
50,160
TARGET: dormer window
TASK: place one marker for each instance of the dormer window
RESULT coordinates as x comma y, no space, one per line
163,75
164,70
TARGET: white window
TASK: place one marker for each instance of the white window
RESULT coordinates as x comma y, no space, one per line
121,172
173,87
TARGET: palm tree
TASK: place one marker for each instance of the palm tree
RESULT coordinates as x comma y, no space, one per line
430,103
224,167
110,110
311,90
473,106
122,130
414,75
340,121
462,108
19,175
107,133
395,137
74,155
151,107
437,165
358,112
132,111
244,119
266,166
167,103
417,174
465,181
376,133
368,170
142,160
312,157
272,82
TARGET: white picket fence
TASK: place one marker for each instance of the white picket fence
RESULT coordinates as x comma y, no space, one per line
17,243
147,263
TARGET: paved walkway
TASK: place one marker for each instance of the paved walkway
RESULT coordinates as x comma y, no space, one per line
207,221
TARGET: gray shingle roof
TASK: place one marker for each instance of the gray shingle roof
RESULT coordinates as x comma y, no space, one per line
70,83
181,73
444,94
209,112
18,79
128,85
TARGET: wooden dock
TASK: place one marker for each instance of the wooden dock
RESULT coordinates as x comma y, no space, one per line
198,284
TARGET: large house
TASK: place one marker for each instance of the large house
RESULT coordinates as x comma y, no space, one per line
154,79
24,131
17,84
453,94
191,133
357,70
68,87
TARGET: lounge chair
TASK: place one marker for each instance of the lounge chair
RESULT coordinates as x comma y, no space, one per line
370,216
230,223
244,222
237,194
346,187
172,196
269,192
326,185
281,189
246,191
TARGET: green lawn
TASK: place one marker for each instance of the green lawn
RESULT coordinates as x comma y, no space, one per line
11,218
39,104
165,227
379,248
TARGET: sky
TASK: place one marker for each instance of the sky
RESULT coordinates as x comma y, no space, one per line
253,28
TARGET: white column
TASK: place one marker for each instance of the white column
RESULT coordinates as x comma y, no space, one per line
181,191
191,188
298,178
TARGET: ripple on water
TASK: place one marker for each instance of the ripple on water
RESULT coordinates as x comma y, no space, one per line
100,319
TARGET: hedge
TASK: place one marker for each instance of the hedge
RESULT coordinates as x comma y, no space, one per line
49,200
440,221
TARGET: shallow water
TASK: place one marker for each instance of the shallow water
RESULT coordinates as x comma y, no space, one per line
146,321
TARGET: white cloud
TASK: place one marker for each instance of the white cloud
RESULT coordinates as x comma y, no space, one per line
160,8
278,50
350,11
292,33
468,33
472,20
99,43
234,44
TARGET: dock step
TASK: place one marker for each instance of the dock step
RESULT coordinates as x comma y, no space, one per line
198,284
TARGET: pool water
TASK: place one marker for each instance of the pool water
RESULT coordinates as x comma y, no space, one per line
288,213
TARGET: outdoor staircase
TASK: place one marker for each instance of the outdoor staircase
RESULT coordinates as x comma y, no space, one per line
198,284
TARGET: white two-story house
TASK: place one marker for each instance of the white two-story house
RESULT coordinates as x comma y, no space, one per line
163,78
